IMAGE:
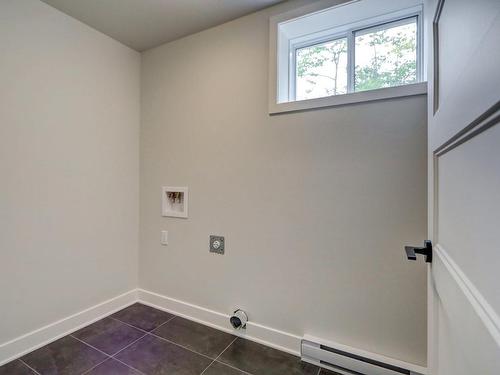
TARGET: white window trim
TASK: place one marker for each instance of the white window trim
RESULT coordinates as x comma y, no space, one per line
275,107
292,65
412,89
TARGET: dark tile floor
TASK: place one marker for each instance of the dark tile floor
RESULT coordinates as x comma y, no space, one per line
140,340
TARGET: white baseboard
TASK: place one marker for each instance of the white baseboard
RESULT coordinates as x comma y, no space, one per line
28,342
264,335
274,338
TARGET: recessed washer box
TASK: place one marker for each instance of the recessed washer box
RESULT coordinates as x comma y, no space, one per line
175,201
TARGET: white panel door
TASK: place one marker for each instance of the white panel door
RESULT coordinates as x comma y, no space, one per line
464,186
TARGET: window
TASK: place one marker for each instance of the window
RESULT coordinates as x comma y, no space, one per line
386,55
355,47
321,70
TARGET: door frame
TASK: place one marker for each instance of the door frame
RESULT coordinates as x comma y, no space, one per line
439,145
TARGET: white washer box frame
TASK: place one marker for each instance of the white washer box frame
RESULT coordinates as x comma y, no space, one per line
166,211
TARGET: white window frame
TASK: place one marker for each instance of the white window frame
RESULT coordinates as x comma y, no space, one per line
282,94
292,71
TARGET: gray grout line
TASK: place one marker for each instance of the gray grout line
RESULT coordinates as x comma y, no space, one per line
162,338
219,355
168,321
93,347
119,351
211,363
129,345
106,354
146,333
235,368
226,348
130,325
90,369
228,365
179,345
133,368
140,329
28,366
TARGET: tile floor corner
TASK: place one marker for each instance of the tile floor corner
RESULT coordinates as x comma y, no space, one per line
141,340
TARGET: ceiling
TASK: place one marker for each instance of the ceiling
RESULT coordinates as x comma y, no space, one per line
144,24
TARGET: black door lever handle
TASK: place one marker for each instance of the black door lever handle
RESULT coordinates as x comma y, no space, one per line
411,251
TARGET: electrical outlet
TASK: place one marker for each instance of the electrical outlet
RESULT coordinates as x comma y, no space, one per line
217,244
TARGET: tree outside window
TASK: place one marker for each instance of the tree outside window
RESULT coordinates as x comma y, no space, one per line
384,57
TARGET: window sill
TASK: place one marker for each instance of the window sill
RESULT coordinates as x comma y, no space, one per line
353,98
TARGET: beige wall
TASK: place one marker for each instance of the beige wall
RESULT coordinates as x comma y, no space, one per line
69,129
315,206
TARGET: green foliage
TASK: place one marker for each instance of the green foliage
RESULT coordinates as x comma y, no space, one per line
310,58
390,68
392,61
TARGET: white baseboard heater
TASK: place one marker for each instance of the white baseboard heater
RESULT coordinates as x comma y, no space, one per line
350,361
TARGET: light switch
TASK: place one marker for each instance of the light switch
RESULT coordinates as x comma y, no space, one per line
164,237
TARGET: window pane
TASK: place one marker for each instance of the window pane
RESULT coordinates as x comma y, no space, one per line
386,57
321,70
